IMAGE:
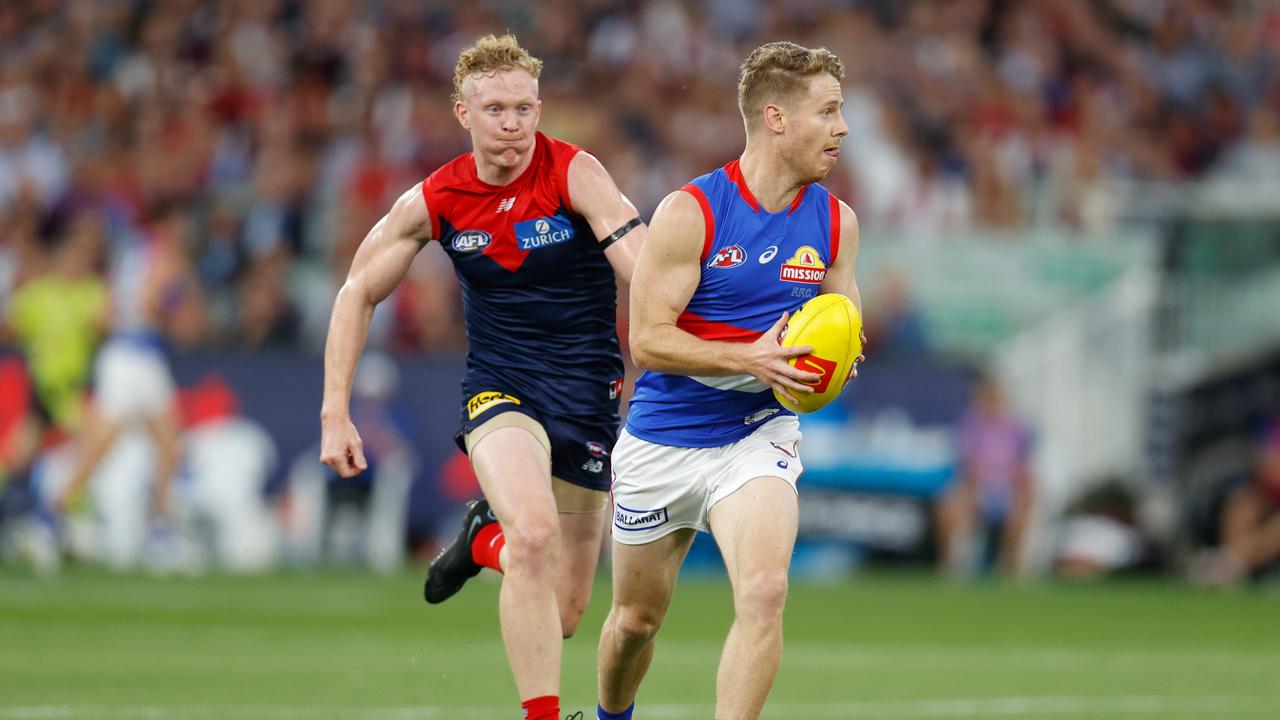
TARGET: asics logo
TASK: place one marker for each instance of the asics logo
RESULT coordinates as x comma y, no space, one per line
782,464
768,254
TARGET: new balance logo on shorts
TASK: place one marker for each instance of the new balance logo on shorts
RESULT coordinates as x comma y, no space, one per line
627,519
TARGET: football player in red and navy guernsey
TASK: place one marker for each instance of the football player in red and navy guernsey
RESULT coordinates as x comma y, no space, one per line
536,229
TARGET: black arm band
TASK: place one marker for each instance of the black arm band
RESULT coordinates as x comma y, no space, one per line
620,232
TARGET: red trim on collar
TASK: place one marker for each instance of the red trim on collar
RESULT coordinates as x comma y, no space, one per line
734,171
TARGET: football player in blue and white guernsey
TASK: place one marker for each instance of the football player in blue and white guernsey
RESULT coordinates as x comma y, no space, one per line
707,446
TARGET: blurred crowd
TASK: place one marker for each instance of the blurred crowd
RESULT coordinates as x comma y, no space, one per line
281,130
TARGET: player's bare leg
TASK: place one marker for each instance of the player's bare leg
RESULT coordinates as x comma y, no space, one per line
515,473
164,429
1016,530
955,516
644,577
755,528
96,437
582,515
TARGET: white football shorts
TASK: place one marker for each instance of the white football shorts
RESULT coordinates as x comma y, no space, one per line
132,381
658,489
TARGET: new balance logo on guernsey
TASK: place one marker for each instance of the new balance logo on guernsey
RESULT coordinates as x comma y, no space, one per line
506,205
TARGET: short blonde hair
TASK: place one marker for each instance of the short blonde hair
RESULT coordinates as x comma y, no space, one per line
491,54
777,72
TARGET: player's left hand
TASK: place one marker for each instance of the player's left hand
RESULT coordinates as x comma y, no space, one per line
853,371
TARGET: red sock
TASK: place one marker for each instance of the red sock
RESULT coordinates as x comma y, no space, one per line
487,546
546,707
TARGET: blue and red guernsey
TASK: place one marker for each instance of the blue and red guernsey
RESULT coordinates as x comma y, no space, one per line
755,266
537,292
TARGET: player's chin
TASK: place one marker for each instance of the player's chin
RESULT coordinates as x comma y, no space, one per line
508,156
821,170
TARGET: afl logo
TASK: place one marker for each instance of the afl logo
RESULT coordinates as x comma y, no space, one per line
730,257
597,449
471,240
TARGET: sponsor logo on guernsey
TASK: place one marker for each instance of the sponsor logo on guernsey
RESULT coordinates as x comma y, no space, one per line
484,400
756,417
768,254
625,518
506,204
805,266
471,240
543,232
730,257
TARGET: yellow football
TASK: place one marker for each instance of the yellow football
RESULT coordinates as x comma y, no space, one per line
832,325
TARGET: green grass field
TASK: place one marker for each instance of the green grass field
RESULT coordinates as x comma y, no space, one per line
93,646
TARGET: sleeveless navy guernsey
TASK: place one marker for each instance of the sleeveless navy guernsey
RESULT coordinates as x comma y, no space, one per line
537,291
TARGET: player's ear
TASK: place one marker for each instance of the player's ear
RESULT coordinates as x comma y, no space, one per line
460,112
774,118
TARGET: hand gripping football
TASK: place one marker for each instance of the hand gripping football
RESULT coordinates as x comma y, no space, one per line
832,325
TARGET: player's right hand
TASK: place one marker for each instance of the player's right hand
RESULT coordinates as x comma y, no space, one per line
767,362
341,447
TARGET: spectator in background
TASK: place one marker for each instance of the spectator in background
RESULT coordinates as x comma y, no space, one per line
989,505
1250,522
896,322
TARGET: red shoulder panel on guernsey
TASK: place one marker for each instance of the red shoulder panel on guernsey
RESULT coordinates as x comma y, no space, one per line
708,219
835,227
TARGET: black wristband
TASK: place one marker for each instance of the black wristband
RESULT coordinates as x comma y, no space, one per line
620,232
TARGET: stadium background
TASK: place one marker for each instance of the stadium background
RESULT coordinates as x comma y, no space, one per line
1076,197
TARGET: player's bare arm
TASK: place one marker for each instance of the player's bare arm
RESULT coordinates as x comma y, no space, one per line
841,275
380,263
614,220
666,277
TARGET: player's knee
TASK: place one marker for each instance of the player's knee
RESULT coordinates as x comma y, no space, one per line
634,626
533,542
762,596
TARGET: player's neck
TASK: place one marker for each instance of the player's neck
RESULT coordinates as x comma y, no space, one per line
769,180
498,175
